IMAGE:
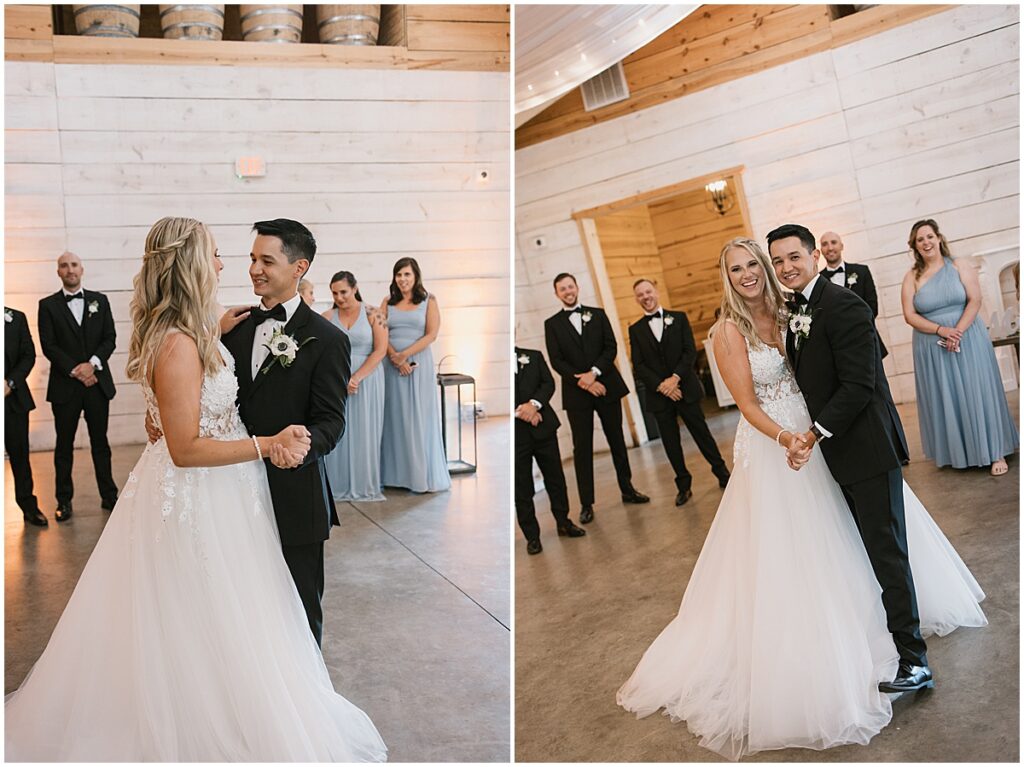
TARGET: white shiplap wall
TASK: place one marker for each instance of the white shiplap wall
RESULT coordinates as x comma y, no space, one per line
918,121
379,164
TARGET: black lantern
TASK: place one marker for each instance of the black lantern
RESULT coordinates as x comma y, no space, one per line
458,420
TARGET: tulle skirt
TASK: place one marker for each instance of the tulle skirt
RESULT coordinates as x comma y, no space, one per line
185,639
781,637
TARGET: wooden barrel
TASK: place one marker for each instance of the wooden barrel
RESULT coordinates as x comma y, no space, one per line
192,22
107,20
348,24
271,23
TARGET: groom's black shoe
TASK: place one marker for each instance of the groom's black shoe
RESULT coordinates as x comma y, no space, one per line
37,518
534,547
107,504
63,511
723,480
586,515
635,496
683,497
569,530
908,679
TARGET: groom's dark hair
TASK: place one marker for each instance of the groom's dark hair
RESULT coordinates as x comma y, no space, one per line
296,240
794,230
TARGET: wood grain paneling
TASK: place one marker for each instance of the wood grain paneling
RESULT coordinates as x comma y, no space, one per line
28,22
714,45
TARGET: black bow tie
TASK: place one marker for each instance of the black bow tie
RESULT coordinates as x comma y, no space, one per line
653,317
71,298
830,272
798,299
261,315
577,310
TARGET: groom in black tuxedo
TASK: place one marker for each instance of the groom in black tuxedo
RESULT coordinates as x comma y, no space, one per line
582,349
274,392
838,367
663,353
77,336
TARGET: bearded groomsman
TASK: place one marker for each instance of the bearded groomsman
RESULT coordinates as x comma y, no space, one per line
537,439
856,277
77,336
19,359
582,349
663,353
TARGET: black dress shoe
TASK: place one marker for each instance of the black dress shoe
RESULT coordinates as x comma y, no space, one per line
63,511
586,515
569,530
36,518
635,496
107,504
682,498
534,547
908,679
723,481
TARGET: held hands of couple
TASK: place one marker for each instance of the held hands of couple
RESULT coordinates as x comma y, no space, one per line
798,448
290,447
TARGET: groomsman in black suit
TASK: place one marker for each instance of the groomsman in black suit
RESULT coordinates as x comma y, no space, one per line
537,439
19,358
856,277
663,353
77,336
582,348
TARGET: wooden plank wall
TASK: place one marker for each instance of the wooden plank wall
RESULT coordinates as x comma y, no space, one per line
379,164
689,239
713,45
918,120
630,253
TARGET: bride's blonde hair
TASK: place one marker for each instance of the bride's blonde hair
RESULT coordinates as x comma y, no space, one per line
176,289
734,307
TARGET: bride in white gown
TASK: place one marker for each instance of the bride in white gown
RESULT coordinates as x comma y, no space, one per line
185,639
781,637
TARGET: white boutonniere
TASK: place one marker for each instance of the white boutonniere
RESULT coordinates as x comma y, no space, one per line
668,320
94,306
523,360
800,324
851,279
283,348
586,317
8,315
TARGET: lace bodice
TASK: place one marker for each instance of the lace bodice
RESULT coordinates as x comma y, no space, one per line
218,415
777,394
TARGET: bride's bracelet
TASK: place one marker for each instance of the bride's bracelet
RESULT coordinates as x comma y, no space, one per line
256,442
781,432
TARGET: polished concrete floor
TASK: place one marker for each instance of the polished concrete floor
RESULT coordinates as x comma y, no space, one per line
417,600
587,608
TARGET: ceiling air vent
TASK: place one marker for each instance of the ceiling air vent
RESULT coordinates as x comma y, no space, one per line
605,88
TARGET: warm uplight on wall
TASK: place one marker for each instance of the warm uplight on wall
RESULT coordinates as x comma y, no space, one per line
718,198
250,167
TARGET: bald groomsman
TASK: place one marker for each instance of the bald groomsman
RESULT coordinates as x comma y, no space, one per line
582,349
856,277
77,336
663,353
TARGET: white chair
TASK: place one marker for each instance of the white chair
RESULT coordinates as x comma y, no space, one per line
721,390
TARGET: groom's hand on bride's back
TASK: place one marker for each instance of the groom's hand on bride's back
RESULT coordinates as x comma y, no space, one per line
151,429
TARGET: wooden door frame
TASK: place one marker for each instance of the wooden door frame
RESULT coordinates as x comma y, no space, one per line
590,241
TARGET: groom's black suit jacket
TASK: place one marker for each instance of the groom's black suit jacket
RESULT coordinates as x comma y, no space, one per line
571,353
311,392
838,368
654,361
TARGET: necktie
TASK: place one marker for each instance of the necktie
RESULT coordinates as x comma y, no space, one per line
78,295
261,315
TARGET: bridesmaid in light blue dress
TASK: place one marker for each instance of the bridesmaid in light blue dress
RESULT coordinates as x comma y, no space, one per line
962,409
412,453
353,467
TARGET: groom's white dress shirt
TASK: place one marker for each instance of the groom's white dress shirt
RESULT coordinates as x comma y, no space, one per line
266,330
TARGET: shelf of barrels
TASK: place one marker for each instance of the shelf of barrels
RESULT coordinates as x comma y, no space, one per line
469,37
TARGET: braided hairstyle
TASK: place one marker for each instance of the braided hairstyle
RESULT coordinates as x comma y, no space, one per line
176,289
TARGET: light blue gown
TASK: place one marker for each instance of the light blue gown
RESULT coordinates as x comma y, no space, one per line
412,454
961,406
353,467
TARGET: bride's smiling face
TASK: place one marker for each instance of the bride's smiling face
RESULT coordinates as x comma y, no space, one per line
746,275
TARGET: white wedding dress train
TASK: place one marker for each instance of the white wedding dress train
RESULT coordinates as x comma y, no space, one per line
185,639
781,637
